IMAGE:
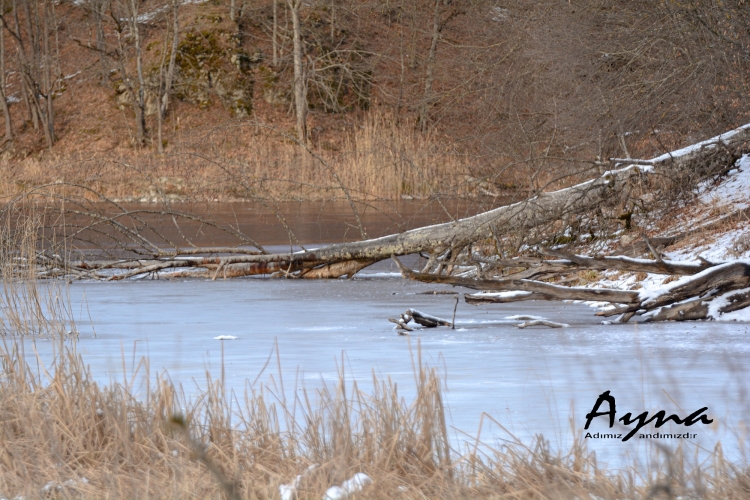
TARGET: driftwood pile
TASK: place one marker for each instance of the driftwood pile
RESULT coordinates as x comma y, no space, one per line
709,289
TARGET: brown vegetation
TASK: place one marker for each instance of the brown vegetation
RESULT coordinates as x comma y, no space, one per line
508,96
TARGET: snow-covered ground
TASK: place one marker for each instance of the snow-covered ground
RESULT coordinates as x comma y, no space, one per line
726,237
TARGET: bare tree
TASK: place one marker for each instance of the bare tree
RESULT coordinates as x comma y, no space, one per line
275,39
437,28
99,9
300,87
165,81
3,96
35,58
140,110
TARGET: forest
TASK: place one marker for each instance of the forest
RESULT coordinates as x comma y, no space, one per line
333,99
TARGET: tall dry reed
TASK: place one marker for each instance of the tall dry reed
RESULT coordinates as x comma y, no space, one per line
381,159
63,435
28,307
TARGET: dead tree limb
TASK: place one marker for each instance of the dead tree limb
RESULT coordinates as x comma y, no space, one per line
542,322
426,320
554,292
621,263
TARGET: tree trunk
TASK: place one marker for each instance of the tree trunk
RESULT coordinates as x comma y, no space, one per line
27,62
430,76
3,96
140,109
163,101
333,20
275,34
49,113
99,8
300,91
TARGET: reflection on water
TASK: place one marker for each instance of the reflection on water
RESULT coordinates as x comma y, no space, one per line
269,223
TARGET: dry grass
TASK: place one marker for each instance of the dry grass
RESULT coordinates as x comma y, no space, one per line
66,436
26,307
250,160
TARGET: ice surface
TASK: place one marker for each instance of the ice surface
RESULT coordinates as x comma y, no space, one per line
532,381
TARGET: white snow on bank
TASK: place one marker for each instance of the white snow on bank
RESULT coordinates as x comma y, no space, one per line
719,245
735,190
289,491
348,487
716,304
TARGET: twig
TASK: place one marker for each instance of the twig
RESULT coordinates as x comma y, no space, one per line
453,322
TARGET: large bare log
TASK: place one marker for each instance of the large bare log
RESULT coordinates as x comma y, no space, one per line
569,262
718,279
441,239
735,301
691,310
539,210
483,298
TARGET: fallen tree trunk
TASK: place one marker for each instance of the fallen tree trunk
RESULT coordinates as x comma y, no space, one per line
542,322
547,290
442,242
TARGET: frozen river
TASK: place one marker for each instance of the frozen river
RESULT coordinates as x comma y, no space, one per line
531,381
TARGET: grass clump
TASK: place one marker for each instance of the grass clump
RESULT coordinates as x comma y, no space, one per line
65,435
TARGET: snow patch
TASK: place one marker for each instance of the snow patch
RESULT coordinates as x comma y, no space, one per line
353,485
288,491
734,189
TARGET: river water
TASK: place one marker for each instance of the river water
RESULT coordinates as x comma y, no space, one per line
529,381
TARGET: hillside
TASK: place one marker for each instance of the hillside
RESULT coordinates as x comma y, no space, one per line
405,99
